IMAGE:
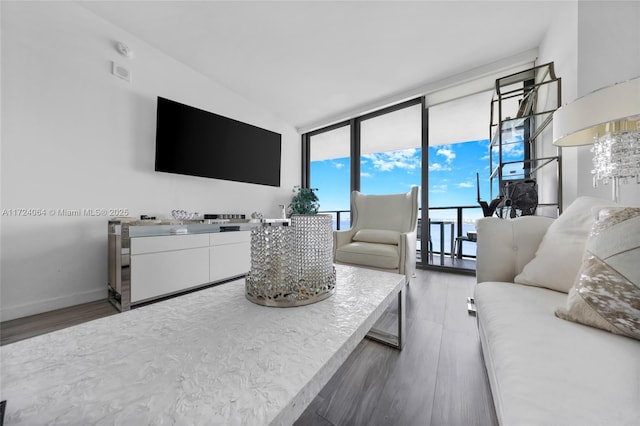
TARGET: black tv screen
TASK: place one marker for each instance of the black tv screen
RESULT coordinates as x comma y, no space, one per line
191,141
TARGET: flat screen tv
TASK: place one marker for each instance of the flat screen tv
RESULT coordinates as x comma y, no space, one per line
191,141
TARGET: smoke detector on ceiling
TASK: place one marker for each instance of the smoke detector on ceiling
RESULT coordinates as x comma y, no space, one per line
124,50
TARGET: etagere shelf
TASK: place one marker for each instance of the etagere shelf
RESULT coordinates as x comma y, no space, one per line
521,113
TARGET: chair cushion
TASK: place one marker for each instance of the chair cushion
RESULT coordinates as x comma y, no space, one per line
380,236
384,256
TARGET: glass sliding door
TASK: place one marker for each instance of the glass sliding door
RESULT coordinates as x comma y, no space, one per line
330,172
458,176
391,151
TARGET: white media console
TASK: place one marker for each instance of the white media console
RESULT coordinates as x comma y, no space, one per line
150,260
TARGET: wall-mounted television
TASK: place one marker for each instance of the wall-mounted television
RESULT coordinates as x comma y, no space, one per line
191,141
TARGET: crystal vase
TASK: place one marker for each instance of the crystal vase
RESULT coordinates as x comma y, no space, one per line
292,265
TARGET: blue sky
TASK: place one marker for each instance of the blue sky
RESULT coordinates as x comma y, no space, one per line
452,174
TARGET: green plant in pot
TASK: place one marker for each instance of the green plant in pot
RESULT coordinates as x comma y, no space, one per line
305,201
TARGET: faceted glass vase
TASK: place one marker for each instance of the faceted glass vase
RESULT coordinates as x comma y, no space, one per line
292,265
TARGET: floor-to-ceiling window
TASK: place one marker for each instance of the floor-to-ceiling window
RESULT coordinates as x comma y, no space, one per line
388,148
386,152
458,175
391,151
329,153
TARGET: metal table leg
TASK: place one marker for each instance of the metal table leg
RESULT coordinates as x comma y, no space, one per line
394,340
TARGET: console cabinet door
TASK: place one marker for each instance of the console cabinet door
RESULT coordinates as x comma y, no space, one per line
230,255
168,264
158,274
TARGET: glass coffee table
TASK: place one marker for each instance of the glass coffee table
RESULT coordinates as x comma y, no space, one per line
208,357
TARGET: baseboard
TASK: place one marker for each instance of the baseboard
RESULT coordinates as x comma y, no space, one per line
12,312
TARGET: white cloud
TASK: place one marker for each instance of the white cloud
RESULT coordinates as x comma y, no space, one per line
439,188
510,150
338,165
447,153
437,167
365,174
513,151
402,159
465,185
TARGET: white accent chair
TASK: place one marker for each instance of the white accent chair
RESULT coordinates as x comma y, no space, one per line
382,235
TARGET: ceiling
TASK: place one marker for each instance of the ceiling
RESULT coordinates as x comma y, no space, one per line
308,61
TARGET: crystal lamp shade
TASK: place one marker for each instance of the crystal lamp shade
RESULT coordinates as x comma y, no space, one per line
610,109
616,156
609,118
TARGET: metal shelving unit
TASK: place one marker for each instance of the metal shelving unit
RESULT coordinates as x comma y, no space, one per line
521,113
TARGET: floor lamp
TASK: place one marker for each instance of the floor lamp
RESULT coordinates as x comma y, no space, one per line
608,118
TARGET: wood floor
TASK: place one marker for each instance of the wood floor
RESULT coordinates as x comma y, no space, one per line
23,328
437,379
465,265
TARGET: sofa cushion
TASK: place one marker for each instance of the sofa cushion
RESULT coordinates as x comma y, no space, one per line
506,246
383,256
547,371
380,236
559,256
607,290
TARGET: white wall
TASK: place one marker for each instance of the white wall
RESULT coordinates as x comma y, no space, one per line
559,47
74,136
593,44
608,52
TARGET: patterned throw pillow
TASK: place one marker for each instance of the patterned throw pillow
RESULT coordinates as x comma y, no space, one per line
606,293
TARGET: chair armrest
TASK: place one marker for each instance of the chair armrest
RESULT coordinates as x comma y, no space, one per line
407,249
505,246
341,238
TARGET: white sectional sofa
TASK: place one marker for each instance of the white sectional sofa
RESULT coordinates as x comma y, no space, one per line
544,370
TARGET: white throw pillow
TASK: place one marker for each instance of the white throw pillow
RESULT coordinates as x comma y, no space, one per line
379,236
559,256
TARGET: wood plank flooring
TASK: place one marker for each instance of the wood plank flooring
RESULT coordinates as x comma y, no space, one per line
465,264
437,379
23,328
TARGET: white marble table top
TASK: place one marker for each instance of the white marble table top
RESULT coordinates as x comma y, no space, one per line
208,357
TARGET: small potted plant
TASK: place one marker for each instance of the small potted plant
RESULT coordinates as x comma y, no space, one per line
305,201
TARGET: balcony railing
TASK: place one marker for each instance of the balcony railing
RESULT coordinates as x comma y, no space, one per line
341,218
447,224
